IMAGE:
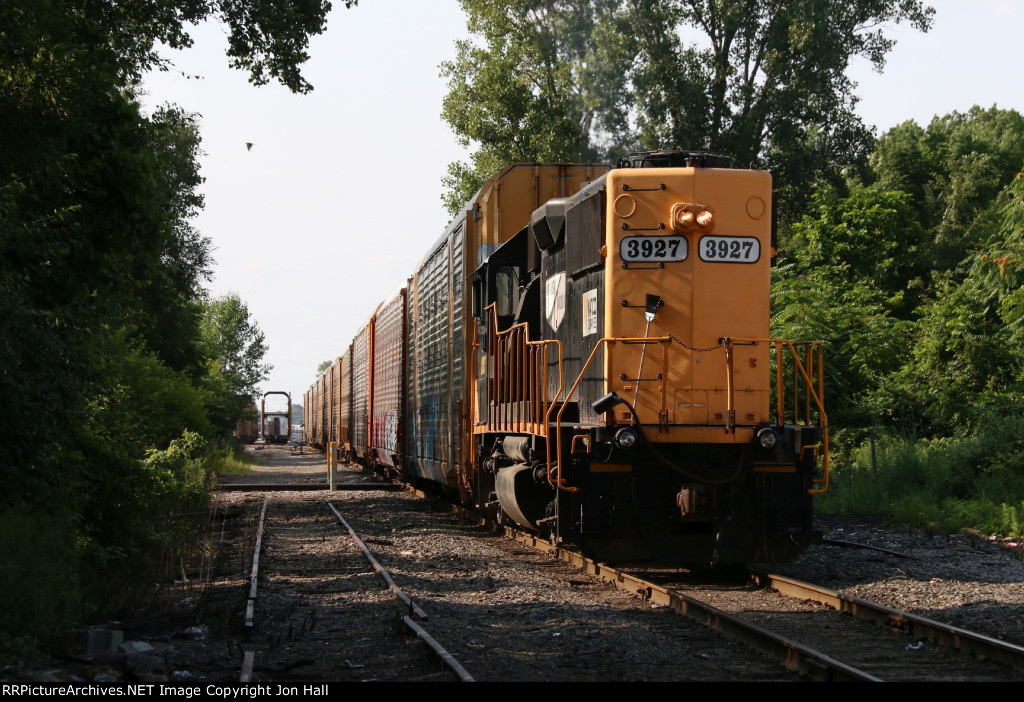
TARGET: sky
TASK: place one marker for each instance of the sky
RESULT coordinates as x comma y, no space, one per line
340,195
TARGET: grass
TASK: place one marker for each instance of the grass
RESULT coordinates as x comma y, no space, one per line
229,460
947,485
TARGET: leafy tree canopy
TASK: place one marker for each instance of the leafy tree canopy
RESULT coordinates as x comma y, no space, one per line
540,81
968,353
871,236
766,82
236,344
104,340
266,38
931,248
864,340
956,171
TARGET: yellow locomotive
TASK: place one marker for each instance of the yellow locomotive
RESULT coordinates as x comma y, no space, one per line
586,352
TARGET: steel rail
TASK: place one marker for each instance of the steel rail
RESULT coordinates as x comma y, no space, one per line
248,660
399,593
921,628
431,643
250,606
283,487
437,648
853,544
981,646
793,655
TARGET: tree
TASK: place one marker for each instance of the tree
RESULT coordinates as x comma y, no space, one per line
322,367
267,38
871,237
968,350
852,275
956,171
100,278
934,242
865,342
235,344
95,198
766,84
546,82
769,83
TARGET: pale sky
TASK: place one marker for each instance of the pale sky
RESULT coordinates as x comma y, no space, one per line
339,197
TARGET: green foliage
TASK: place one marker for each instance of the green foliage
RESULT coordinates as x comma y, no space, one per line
955,171
228,458
871,236
766,83
235,348
105,344
915,282
864,341
880,253
175,474
142,398
947,484
544,81
959,353
236,344
967,357
265,37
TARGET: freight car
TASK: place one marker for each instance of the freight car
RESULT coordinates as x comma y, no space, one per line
248,427
585,352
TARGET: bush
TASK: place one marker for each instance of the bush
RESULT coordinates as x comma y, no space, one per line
228,458
176,476
971,482
39,582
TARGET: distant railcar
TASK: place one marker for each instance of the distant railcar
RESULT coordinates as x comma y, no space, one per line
248,428
276,426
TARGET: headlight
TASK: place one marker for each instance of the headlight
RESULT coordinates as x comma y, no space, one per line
625,437
691,216
767,437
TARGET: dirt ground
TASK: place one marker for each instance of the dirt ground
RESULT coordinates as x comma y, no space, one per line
507,614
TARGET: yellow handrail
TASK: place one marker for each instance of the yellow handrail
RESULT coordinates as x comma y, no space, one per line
810,393
558,481
521,375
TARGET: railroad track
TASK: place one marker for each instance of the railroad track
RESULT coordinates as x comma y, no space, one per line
826,636
416,615
510,613
295,624
507,635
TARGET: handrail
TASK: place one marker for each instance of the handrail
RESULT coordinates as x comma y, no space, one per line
512,349
521,371
494,383
810,392
558,481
